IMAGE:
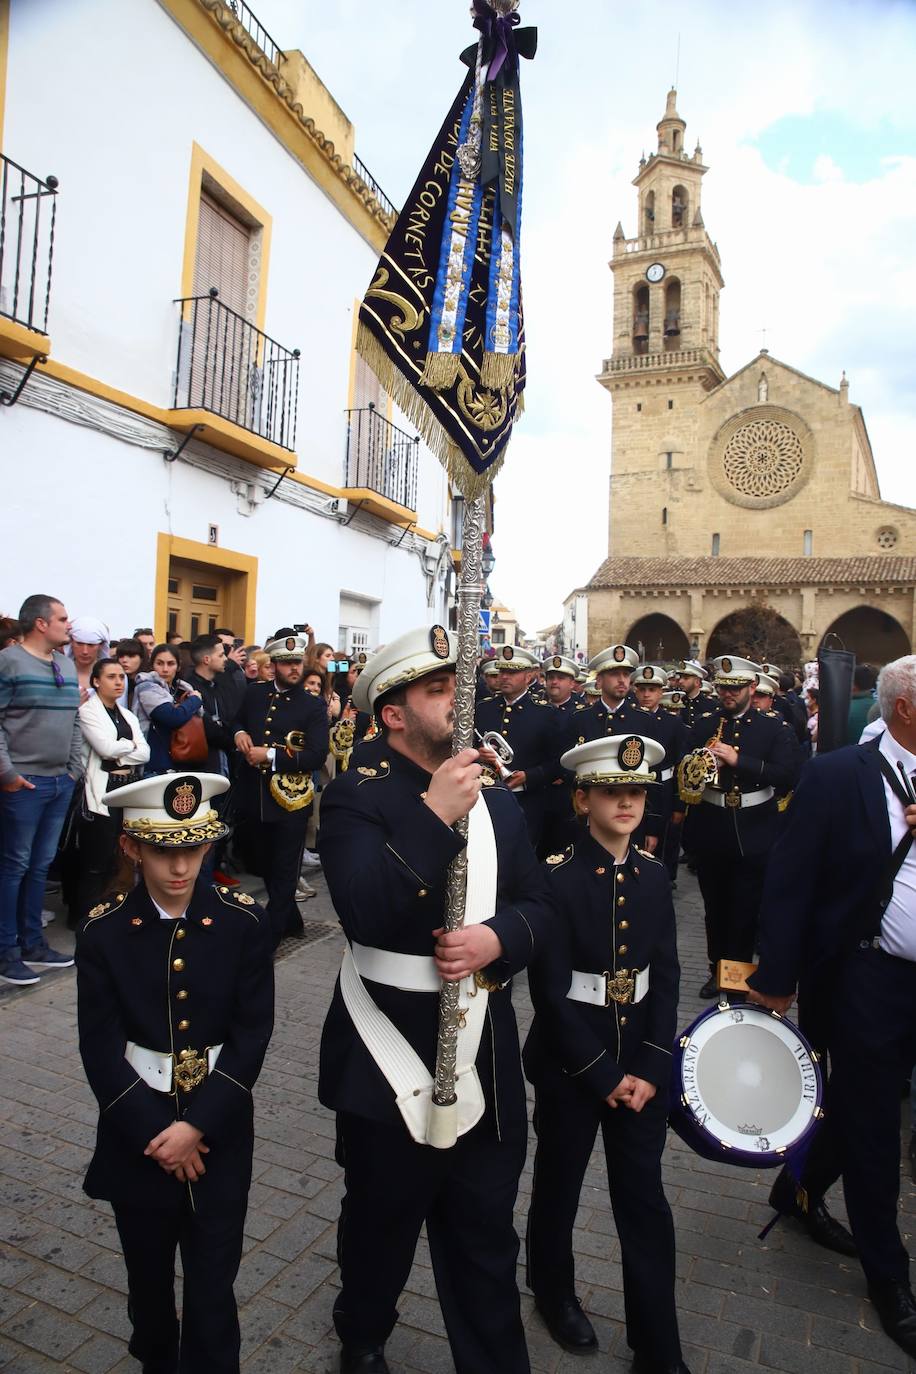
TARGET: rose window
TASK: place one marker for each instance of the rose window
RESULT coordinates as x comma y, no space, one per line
763,458
887,537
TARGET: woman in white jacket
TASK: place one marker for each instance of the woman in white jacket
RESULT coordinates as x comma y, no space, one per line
114,752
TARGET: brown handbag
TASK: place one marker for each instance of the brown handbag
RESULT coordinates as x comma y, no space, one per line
189,742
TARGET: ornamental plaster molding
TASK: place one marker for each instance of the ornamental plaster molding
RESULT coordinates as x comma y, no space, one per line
223,16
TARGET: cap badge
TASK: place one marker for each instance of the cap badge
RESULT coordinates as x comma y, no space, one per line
632,752
619,653
682,666
507,651
557,661
362,659
726,665
647,672
290,643
438,641
182,798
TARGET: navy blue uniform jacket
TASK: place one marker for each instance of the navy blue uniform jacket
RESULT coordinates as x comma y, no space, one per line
129,989
630,719
268,714
611,918
385,856
824,872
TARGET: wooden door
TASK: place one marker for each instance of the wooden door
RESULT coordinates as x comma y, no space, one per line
196,600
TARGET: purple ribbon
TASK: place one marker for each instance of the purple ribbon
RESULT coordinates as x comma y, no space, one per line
497,29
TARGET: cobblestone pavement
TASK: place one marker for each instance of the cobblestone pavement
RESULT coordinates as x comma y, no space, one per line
745,1305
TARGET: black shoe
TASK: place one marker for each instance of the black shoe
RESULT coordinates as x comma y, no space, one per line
363,1359
823,1229
896,1307
710,988
568,1325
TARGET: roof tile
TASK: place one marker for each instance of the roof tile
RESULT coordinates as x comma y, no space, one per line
755,572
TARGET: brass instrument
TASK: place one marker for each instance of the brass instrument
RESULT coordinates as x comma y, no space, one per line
699,769
501,748
341,739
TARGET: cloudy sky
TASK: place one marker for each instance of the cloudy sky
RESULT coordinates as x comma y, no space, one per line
807,120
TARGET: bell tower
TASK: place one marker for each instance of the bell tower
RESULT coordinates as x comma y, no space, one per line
665,351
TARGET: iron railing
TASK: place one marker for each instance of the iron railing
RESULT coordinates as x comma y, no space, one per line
362,170
26,244
228,367
381,457
256,31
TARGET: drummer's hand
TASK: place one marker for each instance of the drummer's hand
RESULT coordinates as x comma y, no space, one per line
459,953
777,1004
622,1092
641,1093
910,817
725,754
455,786
650,844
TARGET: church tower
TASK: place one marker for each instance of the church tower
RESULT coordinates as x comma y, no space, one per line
665,355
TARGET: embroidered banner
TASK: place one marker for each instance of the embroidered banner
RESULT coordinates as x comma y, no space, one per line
441,324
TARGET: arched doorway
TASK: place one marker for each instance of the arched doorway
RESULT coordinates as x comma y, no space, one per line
872,635
758,633
658,639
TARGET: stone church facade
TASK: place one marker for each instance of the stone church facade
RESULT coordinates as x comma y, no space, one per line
755,490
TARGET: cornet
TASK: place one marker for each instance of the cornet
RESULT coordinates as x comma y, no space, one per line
501,748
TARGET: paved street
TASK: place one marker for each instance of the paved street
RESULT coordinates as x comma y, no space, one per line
745,1305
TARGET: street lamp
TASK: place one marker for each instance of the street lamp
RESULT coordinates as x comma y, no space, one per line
488,560
487,599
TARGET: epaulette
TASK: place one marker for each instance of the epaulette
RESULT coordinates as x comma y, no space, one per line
106,908
772,713
541,701
583,706
644,854
368,774
558,860
234,896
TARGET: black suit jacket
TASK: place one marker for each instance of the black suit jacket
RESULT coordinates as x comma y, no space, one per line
824,873
128,989
385,857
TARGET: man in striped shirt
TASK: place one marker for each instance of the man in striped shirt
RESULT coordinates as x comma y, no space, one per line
39,764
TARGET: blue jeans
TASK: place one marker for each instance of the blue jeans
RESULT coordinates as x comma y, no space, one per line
30,822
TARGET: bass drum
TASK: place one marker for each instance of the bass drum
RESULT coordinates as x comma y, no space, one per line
747,1087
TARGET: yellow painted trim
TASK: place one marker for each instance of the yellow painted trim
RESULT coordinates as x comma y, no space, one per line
205,31
19,342
351,381
169,546
231,438
81,381
380,505
4,54
201,162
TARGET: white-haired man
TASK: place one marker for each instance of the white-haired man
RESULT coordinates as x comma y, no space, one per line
839,923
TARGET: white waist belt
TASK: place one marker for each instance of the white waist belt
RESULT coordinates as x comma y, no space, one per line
156,1069
716,797
600,989
409,972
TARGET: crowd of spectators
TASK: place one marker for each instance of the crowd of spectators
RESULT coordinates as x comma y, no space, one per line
80,715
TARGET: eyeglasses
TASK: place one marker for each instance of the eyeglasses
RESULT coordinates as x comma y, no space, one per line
58,675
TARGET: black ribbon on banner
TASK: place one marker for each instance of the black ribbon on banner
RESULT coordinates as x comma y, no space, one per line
501,109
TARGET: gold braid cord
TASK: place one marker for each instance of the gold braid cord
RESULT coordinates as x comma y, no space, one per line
470,588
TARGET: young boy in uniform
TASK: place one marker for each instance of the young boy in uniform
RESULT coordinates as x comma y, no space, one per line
599,1056
175,993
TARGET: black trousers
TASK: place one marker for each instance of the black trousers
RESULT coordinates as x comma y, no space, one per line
567,1121
871,1039
466,1197
732,887
96,860
208,1340
282,843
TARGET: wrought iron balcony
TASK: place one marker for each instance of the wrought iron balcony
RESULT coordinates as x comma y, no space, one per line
231,369
381,458
256,31
28,209
384,201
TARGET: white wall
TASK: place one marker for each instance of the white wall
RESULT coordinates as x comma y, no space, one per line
109,97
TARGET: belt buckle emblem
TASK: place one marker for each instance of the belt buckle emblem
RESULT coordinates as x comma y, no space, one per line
190,1070
620,985
733,800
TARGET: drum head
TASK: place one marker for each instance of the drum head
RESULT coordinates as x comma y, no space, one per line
747,1087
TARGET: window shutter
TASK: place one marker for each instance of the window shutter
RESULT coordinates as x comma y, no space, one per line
222,255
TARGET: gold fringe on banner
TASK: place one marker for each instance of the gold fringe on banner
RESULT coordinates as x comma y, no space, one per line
407,398
440,371
497,370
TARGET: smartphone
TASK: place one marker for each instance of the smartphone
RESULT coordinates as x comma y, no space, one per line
339,665
300,629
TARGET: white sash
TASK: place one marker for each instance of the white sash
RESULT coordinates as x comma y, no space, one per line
404,1070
